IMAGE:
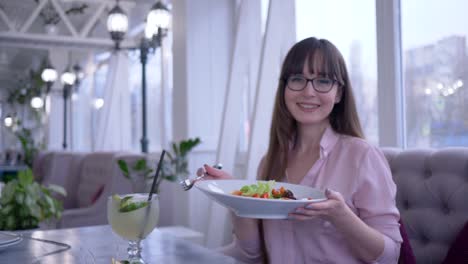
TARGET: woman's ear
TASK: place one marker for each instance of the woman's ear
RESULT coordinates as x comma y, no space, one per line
338,95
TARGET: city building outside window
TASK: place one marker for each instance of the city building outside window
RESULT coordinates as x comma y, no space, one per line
435,69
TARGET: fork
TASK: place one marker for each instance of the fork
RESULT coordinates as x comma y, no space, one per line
187,184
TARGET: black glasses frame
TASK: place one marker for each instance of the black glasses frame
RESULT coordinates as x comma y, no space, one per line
311,81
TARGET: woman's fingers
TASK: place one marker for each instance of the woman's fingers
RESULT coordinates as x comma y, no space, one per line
211,170
213,173
334,195
201,171
325,209
300,217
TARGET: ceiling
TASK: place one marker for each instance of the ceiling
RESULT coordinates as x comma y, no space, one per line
17,56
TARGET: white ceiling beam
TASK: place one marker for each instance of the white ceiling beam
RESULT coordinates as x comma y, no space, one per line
125,4
42,41
87,28
64,18
7,21
33,16
137,30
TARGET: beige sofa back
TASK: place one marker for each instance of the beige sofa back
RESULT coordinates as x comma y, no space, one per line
432,197
64,170
89,179
96,172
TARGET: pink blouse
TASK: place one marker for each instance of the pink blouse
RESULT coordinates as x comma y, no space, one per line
361,174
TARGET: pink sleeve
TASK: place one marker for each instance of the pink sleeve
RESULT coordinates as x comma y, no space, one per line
245,251
391,252
246,245
375,202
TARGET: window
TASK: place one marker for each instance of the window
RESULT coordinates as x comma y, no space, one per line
435,72
351,27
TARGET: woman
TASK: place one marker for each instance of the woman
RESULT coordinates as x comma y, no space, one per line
316,140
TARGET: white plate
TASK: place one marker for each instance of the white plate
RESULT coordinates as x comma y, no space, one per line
220,191
8,239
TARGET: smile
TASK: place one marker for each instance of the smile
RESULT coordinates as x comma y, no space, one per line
308,106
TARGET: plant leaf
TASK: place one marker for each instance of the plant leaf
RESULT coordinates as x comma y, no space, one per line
187,145
35,211
169,155
124,168
57,189
8,192
20,198
25,177
10,223
140,165
5,210
50,203
176,149
148,173
171,178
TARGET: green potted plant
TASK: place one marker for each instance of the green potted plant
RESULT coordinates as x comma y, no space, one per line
25,203
28,125
138,173
174,168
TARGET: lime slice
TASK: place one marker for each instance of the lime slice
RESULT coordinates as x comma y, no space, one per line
132,206
125,201
116,198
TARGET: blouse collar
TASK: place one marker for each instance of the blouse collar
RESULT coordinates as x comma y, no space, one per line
328,141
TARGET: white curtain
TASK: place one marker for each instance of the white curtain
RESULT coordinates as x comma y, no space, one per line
279,37
113,121
246,41
82,109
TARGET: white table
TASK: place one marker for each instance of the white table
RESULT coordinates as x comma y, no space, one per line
98,244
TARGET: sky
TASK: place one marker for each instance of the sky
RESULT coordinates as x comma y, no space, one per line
344,21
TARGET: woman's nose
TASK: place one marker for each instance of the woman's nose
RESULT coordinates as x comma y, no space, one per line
309,89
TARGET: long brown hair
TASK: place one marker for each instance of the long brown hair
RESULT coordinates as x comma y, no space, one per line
343,118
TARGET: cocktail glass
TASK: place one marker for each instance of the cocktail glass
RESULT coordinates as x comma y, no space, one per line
133,219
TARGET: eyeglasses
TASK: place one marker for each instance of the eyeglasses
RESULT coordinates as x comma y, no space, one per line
320,84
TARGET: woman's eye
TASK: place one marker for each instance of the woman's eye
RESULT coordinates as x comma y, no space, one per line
296,79
324,81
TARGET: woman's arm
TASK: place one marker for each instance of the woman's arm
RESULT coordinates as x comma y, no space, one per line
373,233
246,245
366,243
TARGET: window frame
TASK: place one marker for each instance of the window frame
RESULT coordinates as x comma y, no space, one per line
390,93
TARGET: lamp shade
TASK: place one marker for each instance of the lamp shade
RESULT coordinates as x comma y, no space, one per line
8,121
68,78
117,23
49,74
98,103
158,17
37,102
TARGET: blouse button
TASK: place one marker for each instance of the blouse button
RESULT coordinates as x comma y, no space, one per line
326,224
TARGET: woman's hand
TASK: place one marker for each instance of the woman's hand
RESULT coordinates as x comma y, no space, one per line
213,174
331,209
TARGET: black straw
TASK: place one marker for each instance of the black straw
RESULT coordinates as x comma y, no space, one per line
157,175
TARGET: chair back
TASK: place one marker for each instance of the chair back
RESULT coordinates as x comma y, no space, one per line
42,165
65,171
96,172
431,196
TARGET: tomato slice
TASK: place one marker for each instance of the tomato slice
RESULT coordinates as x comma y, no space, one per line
282,190
276,193
237,193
